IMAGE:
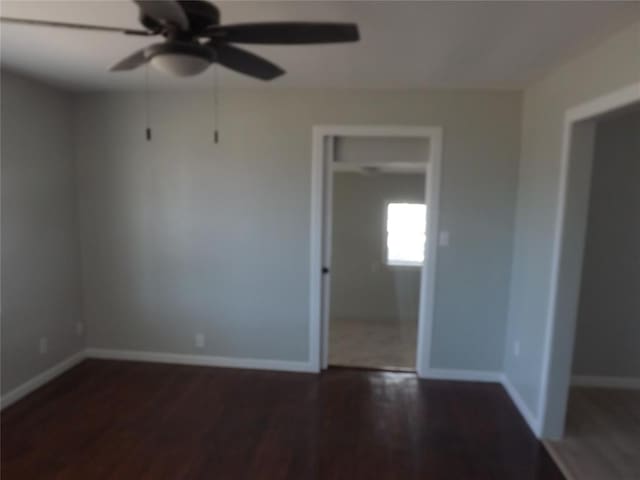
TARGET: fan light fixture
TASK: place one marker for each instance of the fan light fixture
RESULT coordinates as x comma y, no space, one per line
194,38
180,64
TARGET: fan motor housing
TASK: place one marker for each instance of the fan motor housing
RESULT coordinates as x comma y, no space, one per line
201,14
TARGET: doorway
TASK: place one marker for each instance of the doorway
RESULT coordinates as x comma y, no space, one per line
602,425
567,262
374,155
377,252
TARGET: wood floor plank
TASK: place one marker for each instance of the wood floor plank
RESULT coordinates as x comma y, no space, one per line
127,420
602,437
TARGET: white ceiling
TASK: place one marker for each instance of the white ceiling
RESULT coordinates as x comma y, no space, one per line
404,44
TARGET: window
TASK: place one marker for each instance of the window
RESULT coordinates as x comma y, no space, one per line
405,234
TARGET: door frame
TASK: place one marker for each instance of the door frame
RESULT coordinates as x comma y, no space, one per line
321,159
566,268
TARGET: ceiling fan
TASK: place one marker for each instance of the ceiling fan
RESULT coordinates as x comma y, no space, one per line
194,38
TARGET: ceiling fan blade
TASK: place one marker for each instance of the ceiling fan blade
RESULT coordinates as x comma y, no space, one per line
131,62
77,26
164,11
285,33
245,62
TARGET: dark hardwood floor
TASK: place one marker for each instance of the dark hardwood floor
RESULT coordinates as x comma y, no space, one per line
125,420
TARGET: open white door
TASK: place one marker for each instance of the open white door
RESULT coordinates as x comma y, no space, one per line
324,145
329,152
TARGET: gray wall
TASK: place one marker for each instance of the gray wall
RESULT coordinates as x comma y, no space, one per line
363,287
611,65
182,236
608,328
380,150
40,251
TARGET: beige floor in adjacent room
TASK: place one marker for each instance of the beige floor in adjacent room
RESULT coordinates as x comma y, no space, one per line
602,438
390,345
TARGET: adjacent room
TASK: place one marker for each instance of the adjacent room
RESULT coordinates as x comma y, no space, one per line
319,240
602,431
378,233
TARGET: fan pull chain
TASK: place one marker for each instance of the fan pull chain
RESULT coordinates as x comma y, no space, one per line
146,101
215,102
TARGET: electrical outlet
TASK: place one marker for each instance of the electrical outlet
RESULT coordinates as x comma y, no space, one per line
199,340
79,328
516,348
44,345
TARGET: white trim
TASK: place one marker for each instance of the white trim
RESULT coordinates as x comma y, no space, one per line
462,375
585,111
200,360
532,420
604,104
317,336
156,357
428,281
327,234
41,379
631,383
315,248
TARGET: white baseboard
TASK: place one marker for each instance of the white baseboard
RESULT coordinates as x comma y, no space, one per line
632,383
200,360
291,366
462,375
532,420
40,379
142,356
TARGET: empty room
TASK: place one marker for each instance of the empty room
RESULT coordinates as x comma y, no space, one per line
375,236
319,240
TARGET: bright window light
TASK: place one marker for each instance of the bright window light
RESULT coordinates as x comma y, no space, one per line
406,226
